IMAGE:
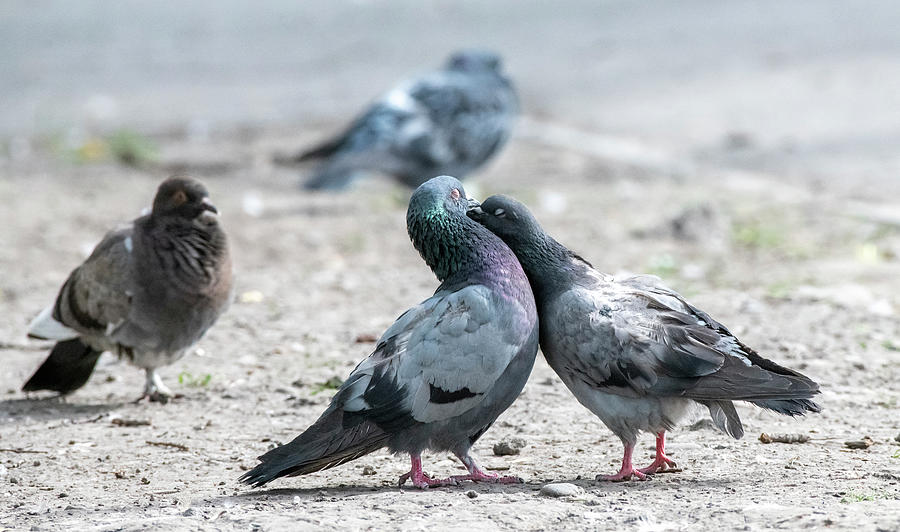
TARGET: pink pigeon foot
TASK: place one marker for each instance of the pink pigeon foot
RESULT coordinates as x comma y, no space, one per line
476,474
662,462
420,479
623,474
627,470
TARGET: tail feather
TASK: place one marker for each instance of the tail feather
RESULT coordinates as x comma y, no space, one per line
327,443
726,418
321,151
67,368
758,384
45,327
790,407
331,176
325,149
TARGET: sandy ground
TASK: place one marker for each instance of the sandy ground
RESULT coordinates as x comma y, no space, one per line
806,276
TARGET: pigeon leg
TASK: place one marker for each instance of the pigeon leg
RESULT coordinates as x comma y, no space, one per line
662,462
154,388
419,478
476,474
627,469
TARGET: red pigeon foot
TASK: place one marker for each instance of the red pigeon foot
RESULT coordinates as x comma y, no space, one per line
662,462
420,479
627,470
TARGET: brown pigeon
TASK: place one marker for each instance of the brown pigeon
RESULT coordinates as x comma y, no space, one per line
148,292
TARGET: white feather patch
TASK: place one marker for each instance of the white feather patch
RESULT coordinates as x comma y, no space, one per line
400,99
45,327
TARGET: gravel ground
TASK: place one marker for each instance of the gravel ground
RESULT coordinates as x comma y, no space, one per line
801,273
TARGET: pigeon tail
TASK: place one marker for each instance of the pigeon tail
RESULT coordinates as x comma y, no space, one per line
791,395
331,176
45,327
327,443
323,150
68,368
725,417
789,407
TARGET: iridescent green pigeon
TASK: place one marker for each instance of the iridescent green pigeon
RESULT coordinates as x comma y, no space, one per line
444,371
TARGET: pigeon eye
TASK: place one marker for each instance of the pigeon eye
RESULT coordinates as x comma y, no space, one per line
454,193
500,213
179,198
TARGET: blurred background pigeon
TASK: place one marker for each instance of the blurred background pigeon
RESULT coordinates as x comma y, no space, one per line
148,292
444,371
451,121
634,352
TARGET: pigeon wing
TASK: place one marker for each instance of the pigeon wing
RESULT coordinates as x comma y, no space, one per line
465,120
96,296
641,338
436,362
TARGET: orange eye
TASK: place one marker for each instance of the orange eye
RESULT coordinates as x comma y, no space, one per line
179,197
454,193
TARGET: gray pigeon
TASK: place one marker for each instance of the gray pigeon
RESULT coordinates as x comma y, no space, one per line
444,371
148,292
633,351
450,121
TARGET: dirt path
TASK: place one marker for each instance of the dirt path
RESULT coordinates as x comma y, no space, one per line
789,270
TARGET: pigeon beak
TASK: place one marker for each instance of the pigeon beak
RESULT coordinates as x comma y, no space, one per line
474,211
208,206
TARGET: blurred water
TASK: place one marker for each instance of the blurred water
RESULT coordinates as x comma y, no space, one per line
807,88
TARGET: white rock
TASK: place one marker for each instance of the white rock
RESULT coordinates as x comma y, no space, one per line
561,489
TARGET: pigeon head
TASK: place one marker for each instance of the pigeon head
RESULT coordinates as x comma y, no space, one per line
440,231
183,197
439,196
474,61
509,219
543,258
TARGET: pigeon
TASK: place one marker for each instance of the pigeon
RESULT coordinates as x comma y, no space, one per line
148,292
633,351
444,371
451,121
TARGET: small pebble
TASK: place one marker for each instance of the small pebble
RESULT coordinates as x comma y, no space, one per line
561,489
368,470
864,443
509,447
471,494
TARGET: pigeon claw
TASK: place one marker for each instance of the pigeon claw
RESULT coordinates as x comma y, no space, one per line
662,464
157,397
423,481
623,475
